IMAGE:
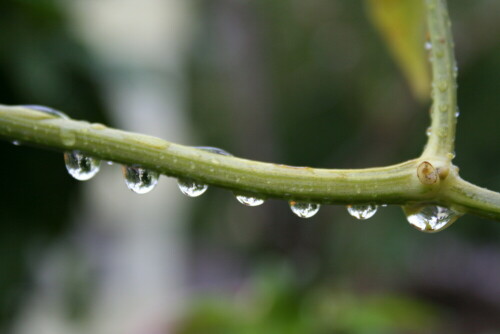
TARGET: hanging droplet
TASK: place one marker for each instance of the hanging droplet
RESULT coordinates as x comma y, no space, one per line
46,110
81,166
140,180
431,218
304,209
362,211
249,200
191,188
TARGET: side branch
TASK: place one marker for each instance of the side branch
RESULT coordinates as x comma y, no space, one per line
395,184
470,198
444,88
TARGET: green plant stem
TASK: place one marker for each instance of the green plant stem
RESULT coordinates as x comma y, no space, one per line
394,184
397,184
470,198
444,88
430,179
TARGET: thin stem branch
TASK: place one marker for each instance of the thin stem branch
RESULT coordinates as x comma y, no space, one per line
429,179
444,88
394,184
470,198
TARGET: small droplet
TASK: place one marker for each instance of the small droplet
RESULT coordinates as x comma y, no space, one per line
81,166
431,218
47,110
457,113
443,86
67,137
16,142
363,211
429,131
191,188
428,45
109,163
140,180
304,209
249,200
215,150
443,107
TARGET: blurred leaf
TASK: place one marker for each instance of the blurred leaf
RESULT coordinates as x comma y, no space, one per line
402,25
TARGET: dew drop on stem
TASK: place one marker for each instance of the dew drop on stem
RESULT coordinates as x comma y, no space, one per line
140,180
430,218
304,209
215,150
249,200
191,188
47,110
362,211
81,166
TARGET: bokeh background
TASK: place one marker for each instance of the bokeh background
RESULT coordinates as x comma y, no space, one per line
290,81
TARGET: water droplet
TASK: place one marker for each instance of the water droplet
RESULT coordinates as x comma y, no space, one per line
215,150
67,137
81,166
457,113
191,188
429,131
431,218
428,45
109,163
140,180
16,142
249,200
47,110
443,107
362,211
442,86
98,126
304,209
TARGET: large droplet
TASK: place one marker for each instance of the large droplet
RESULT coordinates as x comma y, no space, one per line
362,211
191,188
304,209
140,180
249,200
430,218
81,166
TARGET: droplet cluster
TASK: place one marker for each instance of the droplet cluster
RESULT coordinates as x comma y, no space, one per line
83,166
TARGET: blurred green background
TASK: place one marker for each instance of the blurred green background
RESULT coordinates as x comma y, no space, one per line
296,82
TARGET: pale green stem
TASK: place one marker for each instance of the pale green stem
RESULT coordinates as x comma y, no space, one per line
430,179
467,197
444,88
394,184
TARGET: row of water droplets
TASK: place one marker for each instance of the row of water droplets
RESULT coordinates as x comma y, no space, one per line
429,218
